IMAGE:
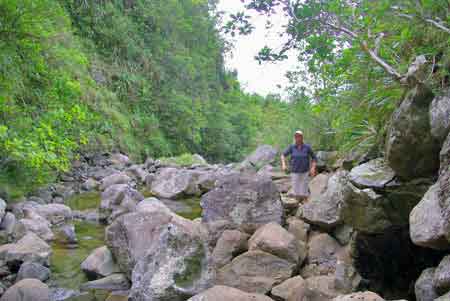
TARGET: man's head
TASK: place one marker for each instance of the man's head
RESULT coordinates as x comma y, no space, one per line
298,137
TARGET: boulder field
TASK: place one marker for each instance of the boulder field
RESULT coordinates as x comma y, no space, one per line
374,228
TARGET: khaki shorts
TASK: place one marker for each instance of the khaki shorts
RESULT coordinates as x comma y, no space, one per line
300,184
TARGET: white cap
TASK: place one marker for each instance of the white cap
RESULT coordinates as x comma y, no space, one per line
298,133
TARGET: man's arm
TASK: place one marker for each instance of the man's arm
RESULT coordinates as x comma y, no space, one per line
283,158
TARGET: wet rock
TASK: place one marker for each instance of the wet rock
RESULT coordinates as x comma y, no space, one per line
363,296
255,272
27,290
318,288
298,228
230,244
246,202
274,239
373,174
176,267
411,150
439,116
171,183
114,179
424,288
426,220
33,270
99,263
113,282
286,288
441,279
224,293
324,209
29,248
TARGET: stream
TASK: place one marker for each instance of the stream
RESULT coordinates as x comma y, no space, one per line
66,259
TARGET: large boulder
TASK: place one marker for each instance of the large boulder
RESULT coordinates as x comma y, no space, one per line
255,272
427,222
230,244
27,290
439,116
274,239
298,228
33,270
324,209
424,288
263,155
38,225
411,150
322,257
445,156
29,248
373,174
113,282
224,293
171,183
245,202
117,200
114,179
178,267
318,288
166,256
286,288
56,214
99,263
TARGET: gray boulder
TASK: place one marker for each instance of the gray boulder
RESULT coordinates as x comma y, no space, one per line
427,223
445,297
445,156
99,263
439,116
38,225
171,183
255,272
411,150
29,248
285,289
298,228
27,290
373,174
424,288
119,159
441,279
245,202
177,267
322,256
56,214
230,244
8,223
224,293
274,239
33,270
114,179
113,282
263,155
318,288
90,184
137,172
324,209
326,160
117,200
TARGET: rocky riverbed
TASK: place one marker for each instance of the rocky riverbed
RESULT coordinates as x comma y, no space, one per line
115,230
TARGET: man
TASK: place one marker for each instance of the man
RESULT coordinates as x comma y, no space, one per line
303,163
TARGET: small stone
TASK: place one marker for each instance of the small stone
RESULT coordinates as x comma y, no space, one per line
33,270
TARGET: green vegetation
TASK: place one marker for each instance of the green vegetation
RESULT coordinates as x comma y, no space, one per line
181,160
84,201
147,78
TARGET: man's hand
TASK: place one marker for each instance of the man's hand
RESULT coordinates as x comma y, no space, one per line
313,171
283,167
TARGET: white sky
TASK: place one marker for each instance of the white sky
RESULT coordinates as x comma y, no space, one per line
264,78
